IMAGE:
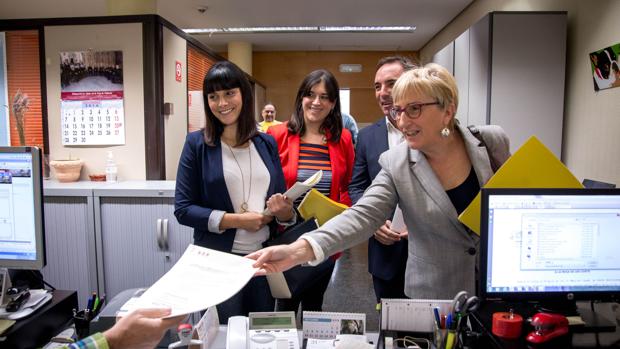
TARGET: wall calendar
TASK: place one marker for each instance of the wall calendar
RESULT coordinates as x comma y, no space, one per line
92,98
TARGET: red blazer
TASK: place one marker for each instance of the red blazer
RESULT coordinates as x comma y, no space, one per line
341,156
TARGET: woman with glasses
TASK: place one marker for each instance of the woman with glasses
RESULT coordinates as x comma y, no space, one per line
312,140
432,177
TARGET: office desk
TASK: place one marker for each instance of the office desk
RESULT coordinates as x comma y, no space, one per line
37,329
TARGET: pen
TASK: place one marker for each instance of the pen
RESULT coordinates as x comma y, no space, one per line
449,321
437,320
89,304
450,340
101,301
96,304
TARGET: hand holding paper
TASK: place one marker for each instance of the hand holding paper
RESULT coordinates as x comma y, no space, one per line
299,188
201,278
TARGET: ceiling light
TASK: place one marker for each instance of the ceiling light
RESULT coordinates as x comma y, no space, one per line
316,29
269,29
383,29
251,30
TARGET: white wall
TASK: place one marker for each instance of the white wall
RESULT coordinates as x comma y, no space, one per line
175,92
445,57
130,158
591,144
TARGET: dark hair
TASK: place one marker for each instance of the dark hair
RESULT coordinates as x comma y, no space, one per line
405,62
332,124
604,64
224,75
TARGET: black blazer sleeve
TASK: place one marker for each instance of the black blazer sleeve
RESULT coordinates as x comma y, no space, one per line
188,186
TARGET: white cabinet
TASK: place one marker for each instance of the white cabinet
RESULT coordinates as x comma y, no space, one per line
140,239
70,242
110,237
510,70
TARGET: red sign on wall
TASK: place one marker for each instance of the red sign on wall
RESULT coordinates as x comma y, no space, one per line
178,71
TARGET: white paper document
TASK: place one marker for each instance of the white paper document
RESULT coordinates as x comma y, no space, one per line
278,286
398,221
299,188
201,278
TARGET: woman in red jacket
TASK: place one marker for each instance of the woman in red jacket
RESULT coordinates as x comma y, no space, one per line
313,140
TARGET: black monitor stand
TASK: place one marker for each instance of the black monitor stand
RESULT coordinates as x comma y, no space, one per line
594,322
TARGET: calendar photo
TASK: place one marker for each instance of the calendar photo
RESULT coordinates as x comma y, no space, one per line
92,98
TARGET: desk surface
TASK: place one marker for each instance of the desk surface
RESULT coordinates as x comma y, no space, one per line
38,328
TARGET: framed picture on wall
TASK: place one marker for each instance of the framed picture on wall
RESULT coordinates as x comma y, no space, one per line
605,67
92,98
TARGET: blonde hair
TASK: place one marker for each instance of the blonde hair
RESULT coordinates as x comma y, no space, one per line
432,80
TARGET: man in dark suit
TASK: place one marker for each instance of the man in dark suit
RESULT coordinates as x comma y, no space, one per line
387,249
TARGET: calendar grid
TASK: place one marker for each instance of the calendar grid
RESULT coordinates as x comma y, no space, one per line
92,98
93,122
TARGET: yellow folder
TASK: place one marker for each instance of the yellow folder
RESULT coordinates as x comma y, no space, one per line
320,207
531,166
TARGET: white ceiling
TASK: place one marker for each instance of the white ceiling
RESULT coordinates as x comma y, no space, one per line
429,16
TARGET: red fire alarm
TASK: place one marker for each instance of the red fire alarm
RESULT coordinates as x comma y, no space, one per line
178,71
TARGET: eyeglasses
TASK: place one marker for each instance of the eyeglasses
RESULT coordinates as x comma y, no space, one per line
322,97
412,110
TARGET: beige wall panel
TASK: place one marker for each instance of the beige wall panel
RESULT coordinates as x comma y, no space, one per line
364,106
175,92
125,37
282,72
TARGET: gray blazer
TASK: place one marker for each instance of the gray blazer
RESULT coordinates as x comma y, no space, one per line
442,252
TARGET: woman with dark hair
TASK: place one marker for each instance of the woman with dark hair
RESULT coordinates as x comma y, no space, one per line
314,140
226,173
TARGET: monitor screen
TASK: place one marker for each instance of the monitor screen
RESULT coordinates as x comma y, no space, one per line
540,244
22,239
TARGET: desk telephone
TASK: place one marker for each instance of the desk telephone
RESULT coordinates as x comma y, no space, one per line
268,330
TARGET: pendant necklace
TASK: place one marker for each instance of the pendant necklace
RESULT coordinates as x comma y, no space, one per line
244,204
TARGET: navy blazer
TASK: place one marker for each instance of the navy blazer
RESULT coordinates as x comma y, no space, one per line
384,261
201,187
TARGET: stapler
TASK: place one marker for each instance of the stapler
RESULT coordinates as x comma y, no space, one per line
547,326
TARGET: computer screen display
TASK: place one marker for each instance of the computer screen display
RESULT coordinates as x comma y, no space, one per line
22,237
541,244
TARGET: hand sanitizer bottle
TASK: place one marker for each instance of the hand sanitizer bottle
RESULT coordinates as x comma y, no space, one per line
110,168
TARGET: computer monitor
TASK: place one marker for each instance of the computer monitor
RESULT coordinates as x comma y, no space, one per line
22,236
550,244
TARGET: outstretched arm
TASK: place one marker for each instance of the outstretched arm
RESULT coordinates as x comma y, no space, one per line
282,257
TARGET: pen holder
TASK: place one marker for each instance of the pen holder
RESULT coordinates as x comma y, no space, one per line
445,339
81,319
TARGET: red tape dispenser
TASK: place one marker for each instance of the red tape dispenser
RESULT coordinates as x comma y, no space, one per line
507,325
547,327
